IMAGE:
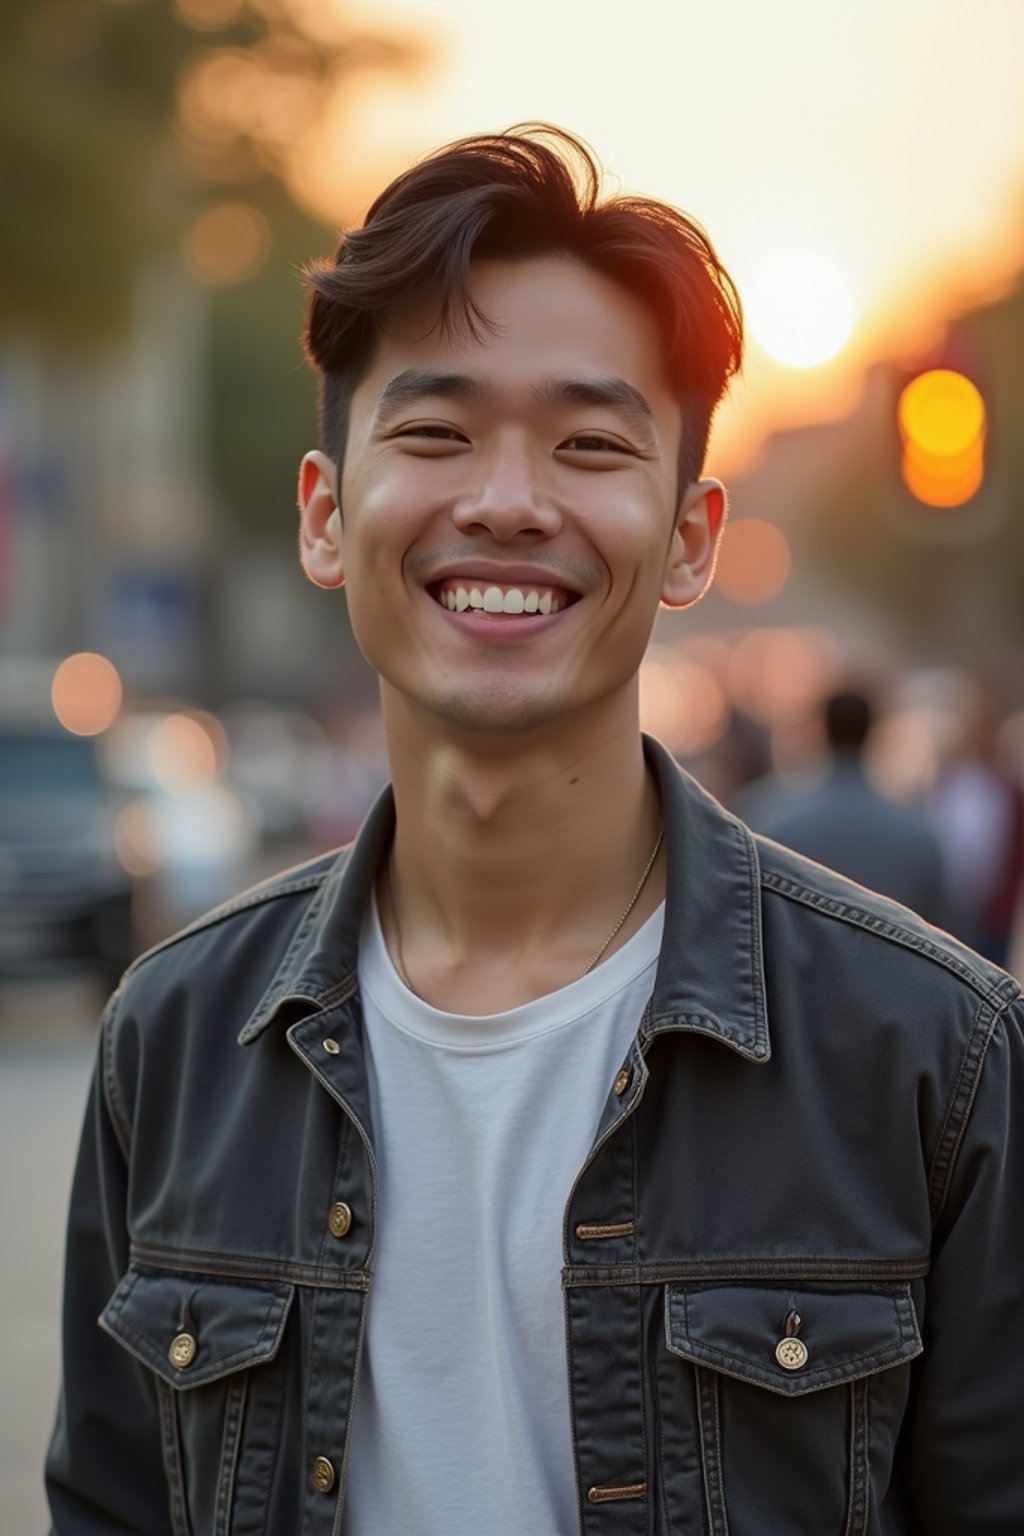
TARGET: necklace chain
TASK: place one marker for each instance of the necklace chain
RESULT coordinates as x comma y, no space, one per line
389,901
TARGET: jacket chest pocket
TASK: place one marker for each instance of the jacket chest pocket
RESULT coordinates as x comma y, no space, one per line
798,1400
209,1344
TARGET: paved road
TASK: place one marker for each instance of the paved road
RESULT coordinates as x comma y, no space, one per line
46,1041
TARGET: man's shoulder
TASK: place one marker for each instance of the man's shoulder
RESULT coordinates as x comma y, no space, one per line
258,921
873,928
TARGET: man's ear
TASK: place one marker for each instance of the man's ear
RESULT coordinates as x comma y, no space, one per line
320,522
691,557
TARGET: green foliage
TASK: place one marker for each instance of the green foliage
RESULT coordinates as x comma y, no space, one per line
98,178
262,407
102,178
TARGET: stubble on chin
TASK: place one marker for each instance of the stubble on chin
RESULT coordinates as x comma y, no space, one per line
494,707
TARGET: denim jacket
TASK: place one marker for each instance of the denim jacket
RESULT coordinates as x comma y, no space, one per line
793,1259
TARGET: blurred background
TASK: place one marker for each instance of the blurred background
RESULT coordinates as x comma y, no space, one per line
180,713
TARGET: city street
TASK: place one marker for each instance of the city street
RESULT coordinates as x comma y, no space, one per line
46,1040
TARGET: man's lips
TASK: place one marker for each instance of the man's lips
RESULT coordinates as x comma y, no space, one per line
461,594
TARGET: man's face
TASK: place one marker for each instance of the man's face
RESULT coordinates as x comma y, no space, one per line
510,518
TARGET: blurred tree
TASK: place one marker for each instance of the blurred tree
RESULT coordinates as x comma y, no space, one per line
119,119
151,133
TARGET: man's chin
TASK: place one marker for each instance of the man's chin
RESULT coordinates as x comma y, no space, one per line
493,709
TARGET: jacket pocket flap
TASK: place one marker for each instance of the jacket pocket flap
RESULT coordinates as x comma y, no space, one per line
191,1329
839,1335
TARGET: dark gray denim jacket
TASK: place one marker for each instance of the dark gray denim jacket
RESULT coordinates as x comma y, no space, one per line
793,1261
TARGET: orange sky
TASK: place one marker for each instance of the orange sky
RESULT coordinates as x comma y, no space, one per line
884,135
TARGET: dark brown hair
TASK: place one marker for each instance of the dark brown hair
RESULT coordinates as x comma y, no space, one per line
532,191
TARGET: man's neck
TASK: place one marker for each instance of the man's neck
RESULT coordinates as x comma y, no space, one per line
514,857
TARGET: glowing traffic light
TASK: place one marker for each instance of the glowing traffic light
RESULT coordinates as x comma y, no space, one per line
942,424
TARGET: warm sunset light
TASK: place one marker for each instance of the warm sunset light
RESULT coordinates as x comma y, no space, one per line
754,562
86,693
942,422
800,308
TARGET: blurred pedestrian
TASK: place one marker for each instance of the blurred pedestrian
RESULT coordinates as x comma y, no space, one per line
843,821
978,808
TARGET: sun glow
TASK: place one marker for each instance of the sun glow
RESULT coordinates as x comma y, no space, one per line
800,307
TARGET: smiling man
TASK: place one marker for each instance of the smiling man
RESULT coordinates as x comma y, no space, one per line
560,1157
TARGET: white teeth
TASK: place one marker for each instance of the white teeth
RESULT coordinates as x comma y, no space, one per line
513,600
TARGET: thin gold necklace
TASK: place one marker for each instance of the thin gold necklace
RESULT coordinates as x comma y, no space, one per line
392,912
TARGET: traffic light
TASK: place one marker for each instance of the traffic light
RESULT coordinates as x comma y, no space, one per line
946,492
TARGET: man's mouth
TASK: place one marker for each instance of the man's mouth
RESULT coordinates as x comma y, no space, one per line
459,595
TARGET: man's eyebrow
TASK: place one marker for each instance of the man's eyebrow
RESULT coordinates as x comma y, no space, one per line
418,383
613,393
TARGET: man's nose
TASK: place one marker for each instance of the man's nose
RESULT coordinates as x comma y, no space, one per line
509,500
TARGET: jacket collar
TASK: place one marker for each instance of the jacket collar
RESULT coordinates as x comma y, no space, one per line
710,977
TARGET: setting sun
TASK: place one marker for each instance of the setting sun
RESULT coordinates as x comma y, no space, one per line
800,308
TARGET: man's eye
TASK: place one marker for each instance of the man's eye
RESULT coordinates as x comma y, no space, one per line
593,442
434,431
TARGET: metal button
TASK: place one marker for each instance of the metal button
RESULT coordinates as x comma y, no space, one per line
791,1354
182,1351
332,1047
339,1218
323,1475
621,1083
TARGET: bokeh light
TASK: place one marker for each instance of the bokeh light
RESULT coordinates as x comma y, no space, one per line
774,673
682,702
753,563
86,693
227,244
941,412
135,839
942,423
186,751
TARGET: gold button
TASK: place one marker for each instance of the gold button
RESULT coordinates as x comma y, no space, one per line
339,1218
332,1047
621,1083
791,1354
323,1475
182,1351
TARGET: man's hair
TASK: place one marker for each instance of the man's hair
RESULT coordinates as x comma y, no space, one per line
532,191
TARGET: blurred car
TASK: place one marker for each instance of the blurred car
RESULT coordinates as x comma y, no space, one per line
65,897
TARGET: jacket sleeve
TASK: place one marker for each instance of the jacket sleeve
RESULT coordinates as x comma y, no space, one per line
967,1427
104,1468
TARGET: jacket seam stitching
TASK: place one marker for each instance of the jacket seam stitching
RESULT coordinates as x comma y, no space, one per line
871,1271
244,903
152,1257
961,1102
754,945
860,917
116,1108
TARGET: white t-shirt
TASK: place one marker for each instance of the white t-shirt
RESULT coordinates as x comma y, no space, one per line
461,1421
